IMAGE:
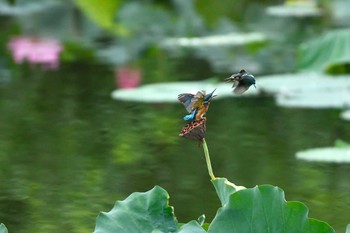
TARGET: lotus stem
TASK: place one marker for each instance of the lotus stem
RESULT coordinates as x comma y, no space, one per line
207,159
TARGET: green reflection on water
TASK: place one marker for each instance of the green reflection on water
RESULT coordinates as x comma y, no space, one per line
67,151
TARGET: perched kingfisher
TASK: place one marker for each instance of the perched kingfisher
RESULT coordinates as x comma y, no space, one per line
197,105
241,81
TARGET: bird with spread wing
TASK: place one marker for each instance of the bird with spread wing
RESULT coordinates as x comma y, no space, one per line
241,81
197,105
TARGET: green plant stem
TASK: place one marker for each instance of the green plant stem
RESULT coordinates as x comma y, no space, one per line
207,159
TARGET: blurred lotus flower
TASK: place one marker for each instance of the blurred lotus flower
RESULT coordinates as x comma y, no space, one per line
128,78
36,51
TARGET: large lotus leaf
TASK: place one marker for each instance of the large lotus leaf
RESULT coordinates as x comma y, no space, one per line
3,228
330,49
263,209
140,212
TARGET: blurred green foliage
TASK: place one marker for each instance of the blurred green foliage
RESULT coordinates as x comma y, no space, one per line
341,144
102,12
74,52
123,32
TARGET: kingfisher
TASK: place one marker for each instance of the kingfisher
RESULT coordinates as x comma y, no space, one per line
241,81
197,105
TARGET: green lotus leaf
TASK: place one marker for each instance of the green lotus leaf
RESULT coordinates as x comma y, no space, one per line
224,189
140,212
326,155
201,219
328,50
345,115
191,227
3,228
264,209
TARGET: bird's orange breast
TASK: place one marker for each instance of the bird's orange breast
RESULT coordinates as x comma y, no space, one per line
201,112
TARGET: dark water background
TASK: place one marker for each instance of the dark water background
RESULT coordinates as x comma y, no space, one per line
68,151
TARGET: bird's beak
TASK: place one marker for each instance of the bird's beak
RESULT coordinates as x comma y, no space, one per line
232,77
211,94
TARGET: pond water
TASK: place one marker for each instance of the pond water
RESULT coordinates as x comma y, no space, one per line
68,151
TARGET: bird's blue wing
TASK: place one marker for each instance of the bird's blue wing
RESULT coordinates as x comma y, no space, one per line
191,117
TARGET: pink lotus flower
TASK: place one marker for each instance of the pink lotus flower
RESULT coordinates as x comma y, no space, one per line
128,78
36,51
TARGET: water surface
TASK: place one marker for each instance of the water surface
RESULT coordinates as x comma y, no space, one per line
68,151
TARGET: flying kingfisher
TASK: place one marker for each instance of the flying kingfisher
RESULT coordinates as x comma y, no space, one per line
197,105
241,81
